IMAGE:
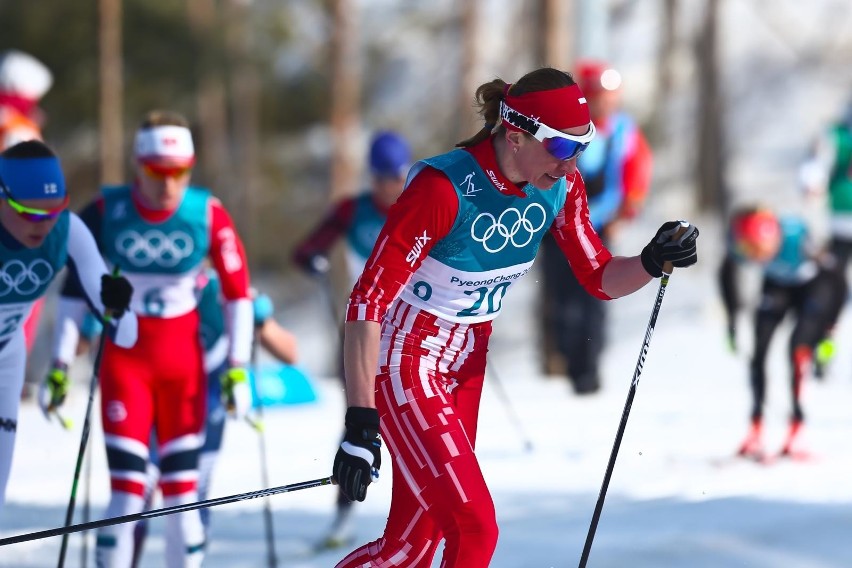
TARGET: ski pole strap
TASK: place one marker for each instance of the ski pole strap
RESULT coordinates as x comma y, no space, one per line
37,535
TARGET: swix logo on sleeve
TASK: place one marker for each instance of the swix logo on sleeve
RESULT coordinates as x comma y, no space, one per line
415,251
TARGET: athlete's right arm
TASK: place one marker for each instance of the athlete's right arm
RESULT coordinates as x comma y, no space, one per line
423,215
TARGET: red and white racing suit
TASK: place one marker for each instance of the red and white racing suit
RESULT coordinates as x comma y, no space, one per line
431,371
160,383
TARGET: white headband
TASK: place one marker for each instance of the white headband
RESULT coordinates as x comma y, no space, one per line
164,142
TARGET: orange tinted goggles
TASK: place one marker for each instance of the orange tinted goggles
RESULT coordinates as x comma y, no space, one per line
163,172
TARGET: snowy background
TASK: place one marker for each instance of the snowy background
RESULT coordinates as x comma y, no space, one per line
677,498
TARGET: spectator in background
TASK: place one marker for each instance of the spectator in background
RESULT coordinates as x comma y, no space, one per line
24,80
827,173
359,219
796,280
617,170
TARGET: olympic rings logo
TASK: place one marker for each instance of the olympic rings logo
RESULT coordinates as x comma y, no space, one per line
510,224
154,247
15,276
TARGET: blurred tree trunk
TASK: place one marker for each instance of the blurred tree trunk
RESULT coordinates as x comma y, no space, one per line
711,162
211,101
555,47
345,98
592,28
245,90
468,123
658,131
111,92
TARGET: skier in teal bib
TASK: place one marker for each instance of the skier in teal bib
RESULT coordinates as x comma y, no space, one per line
39,237
466,228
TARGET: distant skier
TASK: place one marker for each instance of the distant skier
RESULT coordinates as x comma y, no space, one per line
359,220
160,230
38,237
279,342
796,280
24,80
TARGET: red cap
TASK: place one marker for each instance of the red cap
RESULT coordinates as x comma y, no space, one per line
756,234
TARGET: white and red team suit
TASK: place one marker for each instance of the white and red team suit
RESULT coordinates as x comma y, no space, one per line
160,383
458,238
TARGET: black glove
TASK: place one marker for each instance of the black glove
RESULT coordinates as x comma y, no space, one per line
359,457
115,294
664,248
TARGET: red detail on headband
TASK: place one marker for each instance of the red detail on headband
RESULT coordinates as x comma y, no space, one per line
557,108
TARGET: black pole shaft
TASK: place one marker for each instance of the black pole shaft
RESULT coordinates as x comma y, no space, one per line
84,440
507,404
587,548
271,557
165,511
84,549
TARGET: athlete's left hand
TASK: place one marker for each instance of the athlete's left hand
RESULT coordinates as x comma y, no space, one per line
236,392
116,292
669,246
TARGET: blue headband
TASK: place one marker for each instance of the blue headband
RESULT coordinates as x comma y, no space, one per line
32,178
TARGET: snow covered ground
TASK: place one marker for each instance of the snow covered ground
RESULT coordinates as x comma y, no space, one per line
675,498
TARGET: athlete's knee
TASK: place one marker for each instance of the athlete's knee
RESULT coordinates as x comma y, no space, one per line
179,465
127,466
476,526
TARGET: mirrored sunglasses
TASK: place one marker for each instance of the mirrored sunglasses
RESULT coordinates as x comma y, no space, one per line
564,146
560,145
31,213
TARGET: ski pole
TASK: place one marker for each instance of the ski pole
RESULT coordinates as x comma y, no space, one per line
37,535
84,438
84,549
587,548
328,291
271,558
66,423
507,404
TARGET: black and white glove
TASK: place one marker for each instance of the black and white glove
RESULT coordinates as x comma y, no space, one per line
115,294
359,457
666,247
